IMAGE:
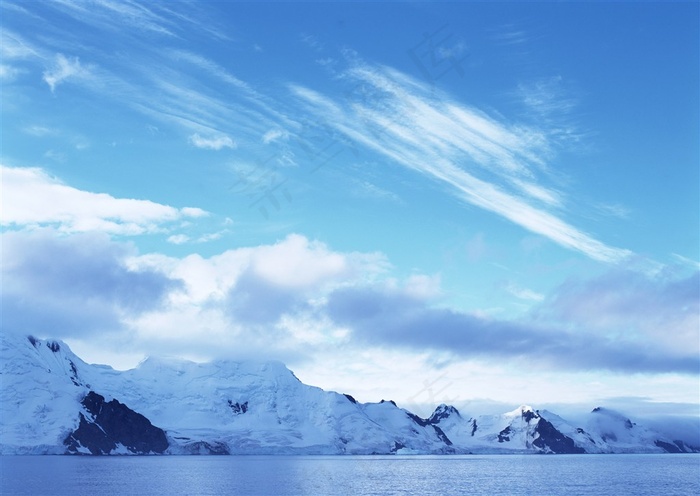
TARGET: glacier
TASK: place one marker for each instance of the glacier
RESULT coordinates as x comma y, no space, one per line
54,403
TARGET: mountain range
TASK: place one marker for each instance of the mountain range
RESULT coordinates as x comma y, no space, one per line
54,403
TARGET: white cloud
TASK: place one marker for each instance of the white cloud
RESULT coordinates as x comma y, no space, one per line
548,96
205,238
55,155
115,15
312,42
661,310
74,285
13,46
30,197
193,212
8,73
297,262
523,293
687,261
274,135
260,299
40,131
615,210
213,143
178,239
451,52
65,68
370,190
423,287
301,302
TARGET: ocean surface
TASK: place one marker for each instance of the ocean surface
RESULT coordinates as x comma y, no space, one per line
569,475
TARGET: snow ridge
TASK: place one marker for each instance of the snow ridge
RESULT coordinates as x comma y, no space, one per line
53,402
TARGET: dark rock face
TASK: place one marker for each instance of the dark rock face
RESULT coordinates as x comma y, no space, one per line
397,446
676,447
668,447
206,448
74,373
553,440
350,398
549,439
686,448
417,419
504,435
114,423
443,437
238,408
528,415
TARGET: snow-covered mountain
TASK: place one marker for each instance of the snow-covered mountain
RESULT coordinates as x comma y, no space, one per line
53,402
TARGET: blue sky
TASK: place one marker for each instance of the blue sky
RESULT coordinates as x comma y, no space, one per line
452,201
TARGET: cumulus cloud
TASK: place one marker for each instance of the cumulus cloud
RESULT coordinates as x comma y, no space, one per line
298,263
178,239
255,300
663,308
247,300
33,198
298,296
212,143
75,285
390,316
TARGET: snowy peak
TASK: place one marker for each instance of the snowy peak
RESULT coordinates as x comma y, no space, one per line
55,355
524,412
443,412
613,428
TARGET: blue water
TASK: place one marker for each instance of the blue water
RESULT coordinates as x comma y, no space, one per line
598,475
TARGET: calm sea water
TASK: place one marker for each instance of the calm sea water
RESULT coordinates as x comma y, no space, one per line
598,475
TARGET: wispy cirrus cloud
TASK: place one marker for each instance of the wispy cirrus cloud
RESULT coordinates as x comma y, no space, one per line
510,36
103,13
486,161
547,96
243,90
368,189
32,198
15,46
203,98
274,135
522,292
41,131
686,261
65,68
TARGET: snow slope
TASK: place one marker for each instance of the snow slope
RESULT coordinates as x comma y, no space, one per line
53,402
226,407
